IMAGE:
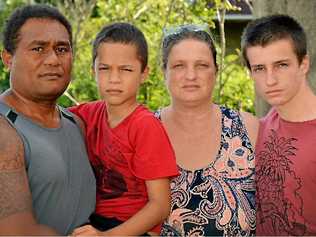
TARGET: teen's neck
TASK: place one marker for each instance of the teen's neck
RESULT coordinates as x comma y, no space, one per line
117,113
301,108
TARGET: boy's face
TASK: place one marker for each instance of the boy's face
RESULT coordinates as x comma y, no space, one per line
118,73
278,75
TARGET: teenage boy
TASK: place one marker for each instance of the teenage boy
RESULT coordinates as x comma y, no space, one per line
274,49
128,147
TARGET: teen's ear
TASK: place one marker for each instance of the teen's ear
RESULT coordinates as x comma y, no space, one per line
6,59
144,75
305,64
92,71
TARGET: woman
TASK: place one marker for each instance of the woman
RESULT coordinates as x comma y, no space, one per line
214,146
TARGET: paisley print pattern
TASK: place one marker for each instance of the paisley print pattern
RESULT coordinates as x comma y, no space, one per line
220,198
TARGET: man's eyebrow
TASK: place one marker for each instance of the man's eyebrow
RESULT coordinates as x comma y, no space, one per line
38,42
43,42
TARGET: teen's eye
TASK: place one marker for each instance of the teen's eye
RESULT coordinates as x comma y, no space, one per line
283,65
257,69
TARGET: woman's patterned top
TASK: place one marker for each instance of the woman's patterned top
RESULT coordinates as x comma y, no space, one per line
220,198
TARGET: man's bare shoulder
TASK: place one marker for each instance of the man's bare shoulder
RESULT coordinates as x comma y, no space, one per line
15,194
11,147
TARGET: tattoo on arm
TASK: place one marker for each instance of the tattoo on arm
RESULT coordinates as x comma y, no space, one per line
15,194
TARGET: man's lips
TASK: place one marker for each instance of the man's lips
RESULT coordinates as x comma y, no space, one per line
50,75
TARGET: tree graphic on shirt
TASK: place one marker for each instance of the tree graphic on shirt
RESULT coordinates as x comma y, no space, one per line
279,204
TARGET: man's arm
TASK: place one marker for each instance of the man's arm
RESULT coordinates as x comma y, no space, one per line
16,215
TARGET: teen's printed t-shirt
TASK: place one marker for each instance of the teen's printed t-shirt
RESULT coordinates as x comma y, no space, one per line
124,157
286,177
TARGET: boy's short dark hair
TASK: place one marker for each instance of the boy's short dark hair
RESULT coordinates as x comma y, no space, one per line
18,18
266,30
124,33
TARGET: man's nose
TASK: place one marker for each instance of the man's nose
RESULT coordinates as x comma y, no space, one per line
52,58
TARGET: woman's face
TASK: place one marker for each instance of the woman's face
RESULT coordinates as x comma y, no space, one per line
190,72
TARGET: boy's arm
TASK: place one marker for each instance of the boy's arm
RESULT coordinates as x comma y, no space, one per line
153,213
16,215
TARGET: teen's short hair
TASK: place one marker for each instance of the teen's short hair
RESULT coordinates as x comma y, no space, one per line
266,30
18,18
174,35
124,33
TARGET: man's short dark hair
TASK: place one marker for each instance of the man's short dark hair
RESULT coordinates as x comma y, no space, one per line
124,33
18,18
266,30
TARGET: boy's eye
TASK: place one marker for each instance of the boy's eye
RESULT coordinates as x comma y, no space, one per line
103,68
127,69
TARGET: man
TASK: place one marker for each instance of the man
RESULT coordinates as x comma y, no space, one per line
274,49
47,185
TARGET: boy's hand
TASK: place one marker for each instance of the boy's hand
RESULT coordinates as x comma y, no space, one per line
87,230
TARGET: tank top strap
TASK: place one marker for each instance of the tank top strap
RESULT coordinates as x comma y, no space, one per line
7,112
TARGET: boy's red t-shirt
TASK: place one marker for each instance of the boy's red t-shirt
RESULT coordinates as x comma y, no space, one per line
124,157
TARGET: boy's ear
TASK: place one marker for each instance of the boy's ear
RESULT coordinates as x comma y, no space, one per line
144,74
6,59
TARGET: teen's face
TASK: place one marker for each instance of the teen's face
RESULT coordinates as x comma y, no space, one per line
40,68
276,71
118,73
190,72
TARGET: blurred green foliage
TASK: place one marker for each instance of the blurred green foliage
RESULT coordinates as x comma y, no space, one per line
151,16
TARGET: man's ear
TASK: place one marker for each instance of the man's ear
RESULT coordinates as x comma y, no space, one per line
6,59
144,74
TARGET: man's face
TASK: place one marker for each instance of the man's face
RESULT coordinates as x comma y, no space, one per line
40,68
278,75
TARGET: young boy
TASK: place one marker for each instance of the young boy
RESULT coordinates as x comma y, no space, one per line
274,49
128,147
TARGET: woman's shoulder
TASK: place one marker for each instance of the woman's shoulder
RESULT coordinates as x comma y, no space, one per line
252,126
250,121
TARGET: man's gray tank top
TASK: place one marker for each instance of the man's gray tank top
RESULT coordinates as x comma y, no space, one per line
61,180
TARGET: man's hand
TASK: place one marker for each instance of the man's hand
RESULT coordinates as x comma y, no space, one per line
87,230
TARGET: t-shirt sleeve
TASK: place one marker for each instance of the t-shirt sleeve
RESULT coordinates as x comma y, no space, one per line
153,157
78,110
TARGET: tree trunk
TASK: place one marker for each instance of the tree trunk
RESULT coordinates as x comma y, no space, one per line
304,11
